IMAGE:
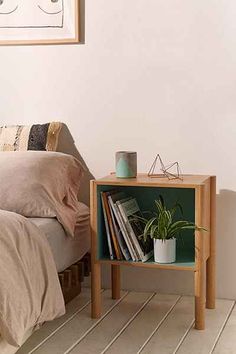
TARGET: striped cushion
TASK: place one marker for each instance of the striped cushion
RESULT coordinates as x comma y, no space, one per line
42,137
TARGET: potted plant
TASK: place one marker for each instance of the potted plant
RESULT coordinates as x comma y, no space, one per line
163,230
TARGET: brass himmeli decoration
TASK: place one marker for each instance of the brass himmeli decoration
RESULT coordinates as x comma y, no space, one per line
171,171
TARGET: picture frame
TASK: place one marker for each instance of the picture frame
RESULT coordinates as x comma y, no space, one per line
37,22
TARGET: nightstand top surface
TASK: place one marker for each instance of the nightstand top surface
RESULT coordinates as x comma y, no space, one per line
142,179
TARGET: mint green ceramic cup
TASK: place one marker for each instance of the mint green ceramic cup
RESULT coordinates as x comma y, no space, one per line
126,164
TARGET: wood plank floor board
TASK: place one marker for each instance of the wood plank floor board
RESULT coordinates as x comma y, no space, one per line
202,342
227,341
173,329
49,328
134,336
98,339
137,323
77,327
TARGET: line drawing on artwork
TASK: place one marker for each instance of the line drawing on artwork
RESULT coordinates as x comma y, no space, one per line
5,17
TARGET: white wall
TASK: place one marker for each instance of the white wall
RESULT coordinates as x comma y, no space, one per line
153,76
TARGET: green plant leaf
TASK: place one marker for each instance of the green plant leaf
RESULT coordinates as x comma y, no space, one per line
147,230
175,207
162,201
162,226
153,231
178,226
140,218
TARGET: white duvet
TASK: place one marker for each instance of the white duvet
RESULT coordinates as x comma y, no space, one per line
30,293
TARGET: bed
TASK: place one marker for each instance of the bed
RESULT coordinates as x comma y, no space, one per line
39,192
71,255
66,251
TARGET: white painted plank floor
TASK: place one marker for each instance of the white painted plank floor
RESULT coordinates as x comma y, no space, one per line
136,323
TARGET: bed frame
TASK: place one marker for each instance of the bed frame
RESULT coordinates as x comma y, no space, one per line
72,277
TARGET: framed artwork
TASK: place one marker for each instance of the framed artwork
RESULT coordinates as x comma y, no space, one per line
39,22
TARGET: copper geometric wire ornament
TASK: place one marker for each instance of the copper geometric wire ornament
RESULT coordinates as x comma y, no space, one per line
166,171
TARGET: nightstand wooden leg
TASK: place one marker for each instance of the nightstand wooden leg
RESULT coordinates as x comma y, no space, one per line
200,273
210,283
210,271
115,280
96,290
200,298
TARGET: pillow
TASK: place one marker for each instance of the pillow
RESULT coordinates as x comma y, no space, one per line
41,184
43,137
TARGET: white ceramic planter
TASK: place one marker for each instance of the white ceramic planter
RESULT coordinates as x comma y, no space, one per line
165,251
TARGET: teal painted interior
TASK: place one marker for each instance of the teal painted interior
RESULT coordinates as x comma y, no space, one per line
145,197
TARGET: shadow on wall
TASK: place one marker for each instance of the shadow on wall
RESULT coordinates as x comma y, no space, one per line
67,146
226,244
82,22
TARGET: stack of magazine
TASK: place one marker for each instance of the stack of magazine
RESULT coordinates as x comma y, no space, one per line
123,228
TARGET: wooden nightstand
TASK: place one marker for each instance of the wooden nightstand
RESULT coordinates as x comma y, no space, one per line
197,195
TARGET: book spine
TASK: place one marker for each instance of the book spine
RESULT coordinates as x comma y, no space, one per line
134,238
126,235
130,233
115,210
119,237
107,229
115,242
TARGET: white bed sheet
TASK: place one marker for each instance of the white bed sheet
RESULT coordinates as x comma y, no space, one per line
66,250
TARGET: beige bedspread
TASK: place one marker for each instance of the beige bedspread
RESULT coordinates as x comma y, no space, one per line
30,292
